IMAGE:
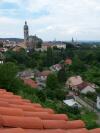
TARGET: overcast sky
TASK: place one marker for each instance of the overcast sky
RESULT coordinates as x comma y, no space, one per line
50,19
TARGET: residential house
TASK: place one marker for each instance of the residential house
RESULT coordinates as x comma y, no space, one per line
27,74
42,76
74,81
1,58
56,67
78,85
85,87
31,83
68,62
98,102
3,50
70,101
18,47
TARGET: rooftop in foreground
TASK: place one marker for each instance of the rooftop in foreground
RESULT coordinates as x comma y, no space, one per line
19,115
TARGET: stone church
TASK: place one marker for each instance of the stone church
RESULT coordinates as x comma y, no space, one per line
32,42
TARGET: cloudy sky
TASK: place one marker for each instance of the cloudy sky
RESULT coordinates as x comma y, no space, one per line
50,19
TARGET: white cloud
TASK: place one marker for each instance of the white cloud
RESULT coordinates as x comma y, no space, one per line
65,19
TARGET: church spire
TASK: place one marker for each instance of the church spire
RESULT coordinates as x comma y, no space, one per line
25,22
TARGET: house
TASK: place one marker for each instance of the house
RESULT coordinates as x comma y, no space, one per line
27,74
18,47
56,67
98,102
72,82
68,62
72,103
1,58
18,115
3,50
42,76
53,44
85,87
30,82
78,85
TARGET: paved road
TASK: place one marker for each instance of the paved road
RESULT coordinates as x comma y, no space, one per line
78,99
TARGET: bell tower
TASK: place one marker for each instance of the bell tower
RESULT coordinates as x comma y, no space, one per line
26,32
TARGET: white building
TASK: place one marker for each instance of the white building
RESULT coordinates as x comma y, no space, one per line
88,89
98,102
72,103
1,62
56,67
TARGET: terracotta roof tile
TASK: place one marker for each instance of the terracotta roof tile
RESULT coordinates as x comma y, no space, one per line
10,111
58,131
12,130
95,130
31,83
46,116
46,131
4,104
22,122
17,113
68,61
82,130
62,124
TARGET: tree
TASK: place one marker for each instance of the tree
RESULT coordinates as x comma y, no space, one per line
53,88
52,82
77,66
8,73
62,75
50,58
93,75
39,43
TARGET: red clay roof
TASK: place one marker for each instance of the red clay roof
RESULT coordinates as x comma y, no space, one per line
82,85
68,61
31,83
19,115
44,73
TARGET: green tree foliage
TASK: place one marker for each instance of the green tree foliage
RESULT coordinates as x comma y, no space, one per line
39,43
93,75
8,73
49,58
62,75
53,88
77,65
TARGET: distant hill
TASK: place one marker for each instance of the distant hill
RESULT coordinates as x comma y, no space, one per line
12,39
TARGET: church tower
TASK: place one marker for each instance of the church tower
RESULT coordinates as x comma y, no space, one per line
26,32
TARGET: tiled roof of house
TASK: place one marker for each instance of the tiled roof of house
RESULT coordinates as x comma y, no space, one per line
68,61
75,80
43,73
19,115
30,82
82,85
